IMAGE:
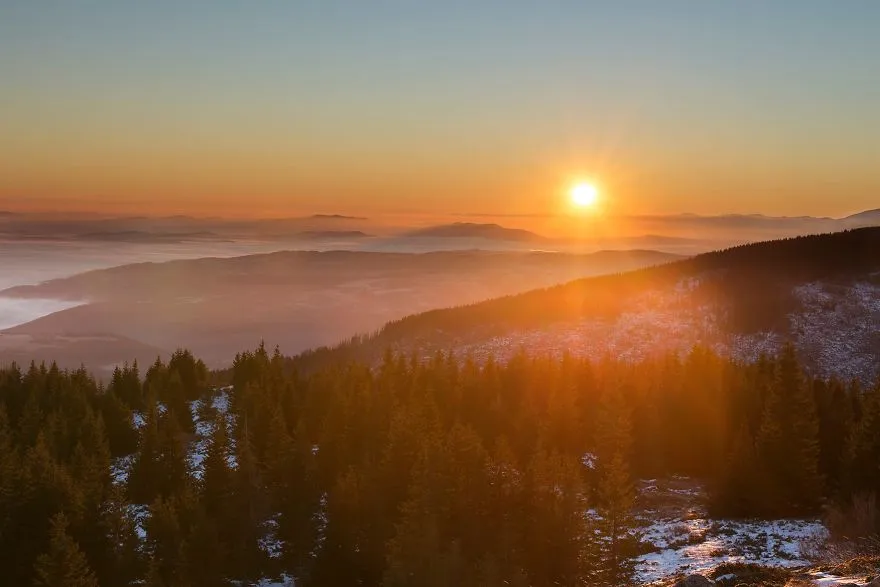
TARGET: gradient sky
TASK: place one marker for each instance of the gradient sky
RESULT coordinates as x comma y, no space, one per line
282,107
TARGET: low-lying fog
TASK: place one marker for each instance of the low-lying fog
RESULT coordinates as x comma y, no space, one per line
220,306
30,263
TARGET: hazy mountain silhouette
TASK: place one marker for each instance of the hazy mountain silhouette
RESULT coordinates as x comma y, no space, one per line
139,236
296,299
869,216
474,230
337,217
333,234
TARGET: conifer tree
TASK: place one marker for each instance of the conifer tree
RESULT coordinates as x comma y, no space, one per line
554,537
248,513
740,488
615,492
864,451
168,527
788,441
121,559
205,555
173,462
154,575
191,372
121,433
64,565
144,478
217,477
836,425
176,402
292,487
125,385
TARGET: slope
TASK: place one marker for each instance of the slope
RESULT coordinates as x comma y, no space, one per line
821,291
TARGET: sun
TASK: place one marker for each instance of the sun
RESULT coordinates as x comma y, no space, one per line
584,195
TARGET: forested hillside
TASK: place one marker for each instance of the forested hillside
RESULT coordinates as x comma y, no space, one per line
443,472
821,292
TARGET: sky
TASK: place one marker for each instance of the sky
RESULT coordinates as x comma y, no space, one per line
275,108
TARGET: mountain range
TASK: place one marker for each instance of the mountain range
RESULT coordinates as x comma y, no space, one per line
682,233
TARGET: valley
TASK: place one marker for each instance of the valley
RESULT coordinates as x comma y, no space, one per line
295,299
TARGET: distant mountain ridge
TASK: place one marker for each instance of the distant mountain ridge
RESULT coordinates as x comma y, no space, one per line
140,236
332,234
337,217
489,231
867,216
681,233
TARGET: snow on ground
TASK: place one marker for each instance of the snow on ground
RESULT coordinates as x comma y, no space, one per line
221,400
270,544
836,327
839,328
688,541
825,580
139,513
120,468
199,446
699,545
282,582
204,429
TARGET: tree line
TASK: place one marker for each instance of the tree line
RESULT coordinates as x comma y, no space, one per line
407,472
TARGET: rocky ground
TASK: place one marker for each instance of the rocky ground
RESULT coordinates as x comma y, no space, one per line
684,544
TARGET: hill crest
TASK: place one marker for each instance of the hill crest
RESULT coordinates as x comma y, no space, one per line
822,292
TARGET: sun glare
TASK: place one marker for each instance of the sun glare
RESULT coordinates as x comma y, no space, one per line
584,195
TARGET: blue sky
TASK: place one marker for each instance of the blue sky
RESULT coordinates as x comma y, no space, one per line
675,105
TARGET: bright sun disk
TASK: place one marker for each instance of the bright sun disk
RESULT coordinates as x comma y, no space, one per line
584,195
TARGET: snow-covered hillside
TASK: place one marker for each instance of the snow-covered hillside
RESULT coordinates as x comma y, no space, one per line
835,327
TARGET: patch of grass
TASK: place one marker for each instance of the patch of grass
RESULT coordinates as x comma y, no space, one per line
752,575
860,565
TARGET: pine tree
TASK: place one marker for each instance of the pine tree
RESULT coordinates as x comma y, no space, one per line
174,467
417,558
121,559
788,441
248,507
615,492
42,488
836,423
154,575
121,433
740,489
144,478
216,485
168,527
176,402
863,463
205,554
553,535
191,372
292,487
9,464
64,565
126,386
